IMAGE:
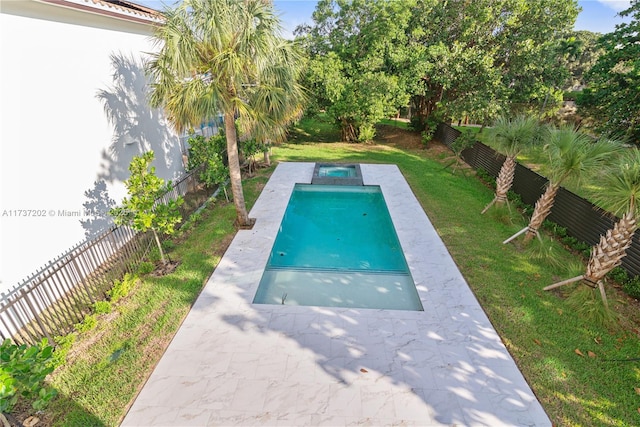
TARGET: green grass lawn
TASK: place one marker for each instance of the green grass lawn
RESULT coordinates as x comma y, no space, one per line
398,123
472,129
572,365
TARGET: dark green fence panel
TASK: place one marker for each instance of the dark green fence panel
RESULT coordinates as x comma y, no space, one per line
582,219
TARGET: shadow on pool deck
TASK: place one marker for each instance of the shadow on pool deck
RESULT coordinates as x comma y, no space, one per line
236,363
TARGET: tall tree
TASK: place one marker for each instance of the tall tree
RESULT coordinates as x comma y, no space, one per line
483,56
226,56
620,194
351,68
581,53
572,156
612,96
511,137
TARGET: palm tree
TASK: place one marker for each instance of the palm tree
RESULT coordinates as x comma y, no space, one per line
572,155
511,137
226,56
620,193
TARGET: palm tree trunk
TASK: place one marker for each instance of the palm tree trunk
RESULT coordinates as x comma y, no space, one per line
234,169
503,183
611,249
606,255
267,156
541,210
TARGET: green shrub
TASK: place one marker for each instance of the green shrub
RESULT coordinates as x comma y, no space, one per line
632,287
516,201
202,149
486,177
23,370
570,241
416,123
367,133
63,346
211,154
426,136
102,307
556,229
571,95
193,219
122,288
154,254
145,267
90,321
464,141
618,275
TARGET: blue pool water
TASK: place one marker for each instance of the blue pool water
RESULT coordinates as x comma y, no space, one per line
337,247
337,171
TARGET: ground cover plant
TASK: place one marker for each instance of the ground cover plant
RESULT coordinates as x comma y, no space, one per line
583,373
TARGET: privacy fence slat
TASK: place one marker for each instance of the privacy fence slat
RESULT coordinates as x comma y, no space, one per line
50,302
581,218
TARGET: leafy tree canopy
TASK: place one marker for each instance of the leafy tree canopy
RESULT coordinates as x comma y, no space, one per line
452,58
612,98
581,53
351,67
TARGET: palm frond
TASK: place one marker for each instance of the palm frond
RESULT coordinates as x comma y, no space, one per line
513,134
226,56
574,155
621,185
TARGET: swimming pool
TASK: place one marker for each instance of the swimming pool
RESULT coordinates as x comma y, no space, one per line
337,174
343,171
337,247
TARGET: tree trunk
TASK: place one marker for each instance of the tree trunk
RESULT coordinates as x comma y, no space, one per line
611,249
426,104
349,132
235,174
505,179
267,157
155,235
541,210
504,182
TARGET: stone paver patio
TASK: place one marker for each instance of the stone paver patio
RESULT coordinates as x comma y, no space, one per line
237,363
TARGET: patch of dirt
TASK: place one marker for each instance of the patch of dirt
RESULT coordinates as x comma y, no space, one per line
248,226
398,137
164,269
407,139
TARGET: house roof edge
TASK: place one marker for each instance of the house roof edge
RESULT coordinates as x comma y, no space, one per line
117,9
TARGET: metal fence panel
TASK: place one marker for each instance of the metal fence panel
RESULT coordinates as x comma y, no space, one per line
51,301
581,218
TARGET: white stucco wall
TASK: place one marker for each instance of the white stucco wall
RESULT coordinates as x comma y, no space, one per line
63,75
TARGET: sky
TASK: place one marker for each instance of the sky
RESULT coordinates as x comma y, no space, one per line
599,16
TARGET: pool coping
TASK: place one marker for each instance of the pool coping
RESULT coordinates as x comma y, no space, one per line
237,363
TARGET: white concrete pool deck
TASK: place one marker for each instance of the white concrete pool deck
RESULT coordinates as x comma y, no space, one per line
236,363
